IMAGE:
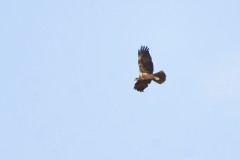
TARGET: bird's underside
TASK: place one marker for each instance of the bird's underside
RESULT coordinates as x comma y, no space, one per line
146,71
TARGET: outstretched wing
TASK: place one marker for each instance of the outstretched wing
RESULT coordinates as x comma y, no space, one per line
144,60
140,85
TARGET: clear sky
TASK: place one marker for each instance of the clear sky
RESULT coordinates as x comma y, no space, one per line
67,75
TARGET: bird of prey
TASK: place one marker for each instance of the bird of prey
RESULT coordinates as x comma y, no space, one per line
146,70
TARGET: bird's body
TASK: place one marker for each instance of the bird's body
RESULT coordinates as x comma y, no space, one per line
146,76
146,71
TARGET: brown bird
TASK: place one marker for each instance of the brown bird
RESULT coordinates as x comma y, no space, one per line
146,70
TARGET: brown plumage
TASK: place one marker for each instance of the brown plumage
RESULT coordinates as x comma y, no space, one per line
146,71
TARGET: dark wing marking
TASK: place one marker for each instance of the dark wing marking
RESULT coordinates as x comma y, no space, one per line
144,60
141,85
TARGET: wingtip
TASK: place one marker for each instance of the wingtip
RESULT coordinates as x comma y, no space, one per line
144,48
139,90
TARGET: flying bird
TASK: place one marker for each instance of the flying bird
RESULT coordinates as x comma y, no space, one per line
146,71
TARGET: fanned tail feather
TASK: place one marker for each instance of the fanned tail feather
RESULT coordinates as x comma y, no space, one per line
162,77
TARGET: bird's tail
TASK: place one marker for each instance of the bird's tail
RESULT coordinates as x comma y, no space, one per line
162,77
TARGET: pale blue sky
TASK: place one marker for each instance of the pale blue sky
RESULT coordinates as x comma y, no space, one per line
67,75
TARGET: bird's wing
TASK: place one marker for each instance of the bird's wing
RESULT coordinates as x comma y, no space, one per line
144,60
141,85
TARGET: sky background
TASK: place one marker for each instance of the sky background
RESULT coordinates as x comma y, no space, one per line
67,75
